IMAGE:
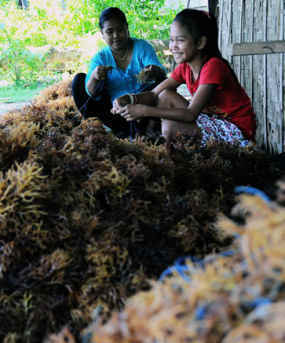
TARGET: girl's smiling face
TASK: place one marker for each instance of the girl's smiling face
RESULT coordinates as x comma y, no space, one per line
182,44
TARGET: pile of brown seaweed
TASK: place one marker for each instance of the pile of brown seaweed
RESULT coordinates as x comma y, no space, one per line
229,299
87,219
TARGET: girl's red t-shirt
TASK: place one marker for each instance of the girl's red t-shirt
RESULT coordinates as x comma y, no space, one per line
229,101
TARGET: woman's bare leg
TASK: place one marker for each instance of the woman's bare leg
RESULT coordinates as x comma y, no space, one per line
170,128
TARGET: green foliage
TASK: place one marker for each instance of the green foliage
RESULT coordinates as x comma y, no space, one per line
47,24
147,27
3,2
17,63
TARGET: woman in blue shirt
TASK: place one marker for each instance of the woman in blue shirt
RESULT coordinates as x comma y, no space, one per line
113,72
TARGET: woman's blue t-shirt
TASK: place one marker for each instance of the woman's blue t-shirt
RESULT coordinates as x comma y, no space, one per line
120,82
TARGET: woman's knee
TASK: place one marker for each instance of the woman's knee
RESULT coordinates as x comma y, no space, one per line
78,80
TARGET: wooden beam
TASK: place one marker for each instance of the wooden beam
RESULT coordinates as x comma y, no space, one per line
212,7
258,48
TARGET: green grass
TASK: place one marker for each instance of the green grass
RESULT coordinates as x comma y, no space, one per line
10,94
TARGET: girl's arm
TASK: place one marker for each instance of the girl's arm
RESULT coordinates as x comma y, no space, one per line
147,98
168,84
188,115
201,99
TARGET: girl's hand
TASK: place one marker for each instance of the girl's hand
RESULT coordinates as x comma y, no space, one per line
119,103
100,72
133,112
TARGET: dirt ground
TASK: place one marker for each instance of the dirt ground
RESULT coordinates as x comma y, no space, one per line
5,107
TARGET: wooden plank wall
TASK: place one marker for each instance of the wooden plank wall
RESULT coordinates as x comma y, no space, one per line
197,4
262,75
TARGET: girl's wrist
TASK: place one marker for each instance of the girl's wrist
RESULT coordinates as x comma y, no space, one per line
133,99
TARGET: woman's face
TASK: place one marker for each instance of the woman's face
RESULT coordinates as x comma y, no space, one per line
182,44
115,34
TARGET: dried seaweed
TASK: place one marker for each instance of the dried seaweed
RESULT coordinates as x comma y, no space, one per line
235,298
87,219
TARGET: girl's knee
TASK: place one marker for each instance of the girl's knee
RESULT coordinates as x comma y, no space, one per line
170,98
166,93
170,129
165,97
167,129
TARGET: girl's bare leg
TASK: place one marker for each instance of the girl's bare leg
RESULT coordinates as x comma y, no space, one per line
170,128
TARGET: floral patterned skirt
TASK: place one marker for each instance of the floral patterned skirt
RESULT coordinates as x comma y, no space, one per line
215,129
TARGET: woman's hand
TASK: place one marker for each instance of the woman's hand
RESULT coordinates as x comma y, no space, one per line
152,73
100,72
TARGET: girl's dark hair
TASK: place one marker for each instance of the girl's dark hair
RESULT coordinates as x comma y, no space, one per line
198,24
111,13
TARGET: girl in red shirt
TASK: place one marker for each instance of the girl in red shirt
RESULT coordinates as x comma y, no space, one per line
219,110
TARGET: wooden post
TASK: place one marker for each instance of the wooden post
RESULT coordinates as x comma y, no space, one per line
212,7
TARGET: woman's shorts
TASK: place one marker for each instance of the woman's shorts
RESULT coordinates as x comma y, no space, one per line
219,130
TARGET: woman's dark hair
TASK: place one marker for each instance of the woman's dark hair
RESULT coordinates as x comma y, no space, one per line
111,13
198,24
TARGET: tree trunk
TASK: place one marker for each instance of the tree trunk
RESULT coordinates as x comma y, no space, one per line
63,4
24,4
